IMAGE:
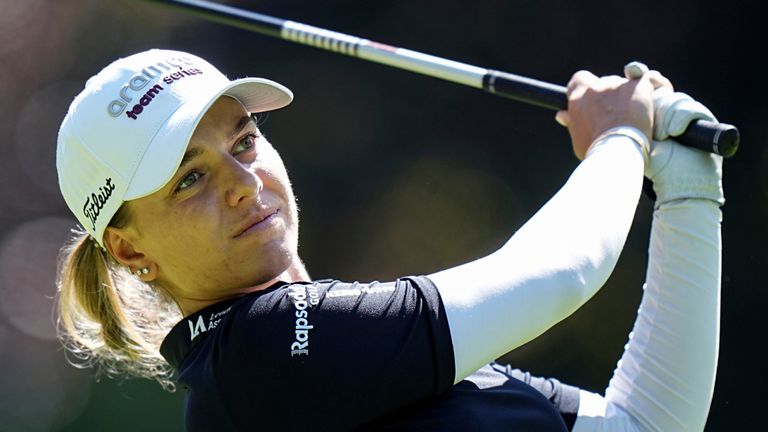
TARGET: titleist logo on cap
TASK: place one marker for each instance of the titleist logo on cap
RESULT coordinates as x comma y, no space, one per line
96,201
140,80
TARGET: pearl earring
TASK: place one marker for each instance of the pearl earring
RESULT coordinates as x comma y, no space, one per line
141,271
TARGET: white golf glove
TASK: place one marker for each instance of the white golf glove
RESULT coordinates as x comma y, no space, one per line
674,111
677,171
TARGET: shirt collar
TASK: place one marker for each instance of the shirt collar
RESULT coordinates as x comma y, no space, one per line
190,331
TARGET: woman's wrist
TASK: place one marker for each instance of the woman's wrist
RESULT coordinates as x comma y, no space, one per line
640,139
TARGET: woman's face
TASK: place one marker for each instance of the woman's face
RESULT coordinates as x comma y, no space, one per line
227,221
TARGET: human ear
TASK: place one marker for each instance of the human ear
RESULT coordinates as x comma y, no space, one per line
122,246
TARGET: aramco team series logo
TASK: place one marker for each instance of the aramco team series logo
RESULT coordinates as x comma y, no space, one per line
173,70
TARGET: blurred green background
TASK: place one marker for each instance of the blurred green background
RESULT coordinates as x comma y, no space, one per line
395,173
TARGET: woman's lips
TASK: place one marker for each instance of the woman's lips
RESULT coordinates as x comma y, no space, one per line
258,223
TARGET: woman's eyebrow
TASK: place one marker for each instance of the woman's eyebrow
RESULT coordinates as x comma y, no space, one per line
239,126
189,155
192,153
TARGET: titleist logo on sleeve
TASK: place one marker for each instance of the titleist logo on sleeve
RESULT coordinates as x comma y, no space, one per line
96,201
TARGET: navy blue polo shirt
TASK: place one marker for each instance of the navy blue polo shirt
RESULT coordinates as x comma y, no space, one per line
334,356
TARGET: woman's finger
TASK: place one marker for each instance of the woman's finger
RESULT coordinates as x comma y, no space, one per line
658,80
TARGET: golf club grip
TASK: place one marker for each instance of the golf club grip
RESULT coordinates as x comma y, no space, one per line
718,138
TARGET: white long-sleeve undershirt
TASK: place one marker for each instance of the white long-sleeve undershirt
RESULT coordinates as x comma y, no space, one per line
551,266
665,378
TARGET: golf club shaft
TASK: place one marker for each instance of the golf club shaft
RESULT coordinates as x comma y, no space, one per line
718,138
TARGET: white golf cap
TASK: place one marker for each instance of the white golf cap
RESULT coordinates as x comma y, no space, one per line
125,134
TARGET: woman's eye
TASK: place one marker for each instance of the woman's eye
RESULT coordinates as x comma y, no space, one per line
188,181
246,143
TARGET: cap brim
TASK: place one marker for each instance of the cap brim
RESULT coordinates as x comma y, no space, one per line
166,151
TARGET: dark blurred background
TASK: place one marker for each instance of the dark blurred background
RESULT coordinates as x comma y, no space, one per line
395,173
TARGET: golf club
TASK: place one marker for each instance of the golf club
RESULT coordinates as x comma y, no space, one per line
719,138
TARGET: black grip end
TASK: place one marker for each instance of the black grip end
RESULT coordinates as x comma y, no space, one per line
728,140
718,138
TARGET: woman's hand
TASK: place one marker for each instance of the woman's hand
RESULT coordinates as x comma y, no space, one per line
598,104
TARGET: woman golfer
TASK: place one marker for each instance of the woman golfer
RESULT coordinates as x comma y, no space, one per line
187,264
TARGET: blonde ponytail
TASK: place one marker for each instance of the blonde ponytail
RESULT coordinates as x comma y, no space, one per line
109,319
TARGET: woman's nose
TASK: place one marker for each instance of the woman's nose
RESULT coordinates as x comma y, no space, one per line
241,182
